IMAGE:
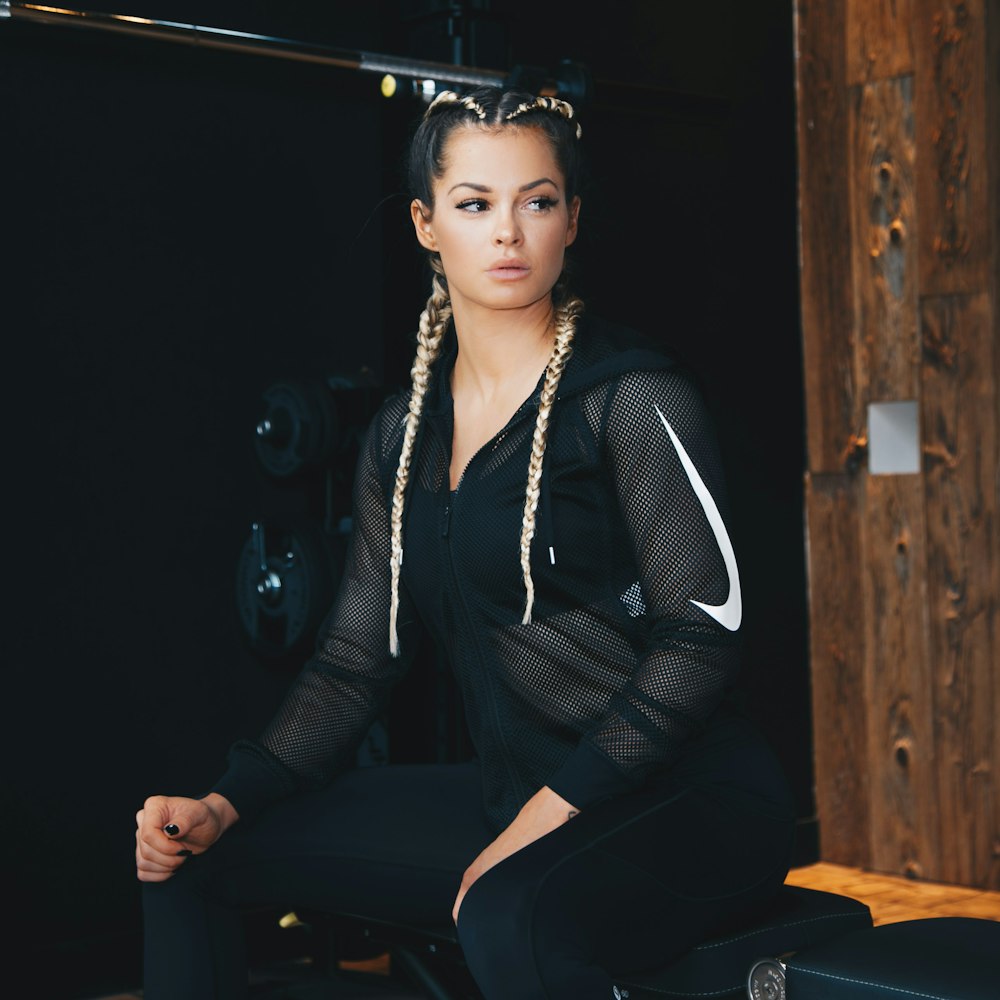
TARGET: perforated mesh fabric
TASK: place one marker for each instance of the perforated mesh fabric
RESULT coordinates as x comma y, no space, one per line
618,670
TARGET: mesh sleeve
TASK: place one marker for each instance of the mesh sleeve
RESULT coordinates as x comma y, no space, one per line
346,681
661,454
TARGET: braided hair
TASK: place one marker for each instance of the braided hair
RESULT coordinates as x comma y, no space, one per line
490,109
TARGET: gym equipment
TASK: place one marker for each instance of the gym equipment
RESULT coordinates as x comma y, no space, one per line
306,440
285,583
822,946
571,83
300,427
949,958
796,920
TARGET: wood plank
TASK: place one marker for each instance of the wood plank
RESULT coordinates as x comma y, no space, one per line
984,907
828,328
879,43
840,738
992,85
883,203
956,231
993,212
893,897
903,828
963,548
924,551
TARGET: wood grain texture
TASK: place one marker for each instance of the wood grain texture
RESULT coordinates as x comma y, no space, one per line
963,548
892,897
828,323
950,47
837,654
992,126
883,203
993,212
879,44
899,105
904,828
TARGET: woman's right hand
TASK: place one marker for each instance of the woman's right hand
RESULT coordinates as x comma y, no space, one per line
193,824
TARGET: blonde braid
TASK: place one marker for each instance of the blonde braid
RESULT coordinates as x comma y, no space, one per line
450,97
563,108
433,323
566,317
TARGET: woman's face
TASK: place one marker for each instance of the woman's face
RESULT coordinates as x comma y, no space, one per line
500,222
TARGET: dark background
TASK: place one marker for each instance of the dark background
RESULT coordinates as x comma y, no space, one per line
183,227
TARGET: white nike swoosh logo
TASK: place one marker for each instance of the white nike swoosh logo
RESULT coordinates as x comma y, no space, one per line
730,614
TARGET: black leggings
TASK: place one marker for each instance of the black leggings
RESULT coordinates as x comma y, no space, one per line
625,885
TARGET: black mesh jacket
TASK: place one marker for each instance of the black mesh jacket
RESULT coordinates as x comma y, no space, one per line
632,646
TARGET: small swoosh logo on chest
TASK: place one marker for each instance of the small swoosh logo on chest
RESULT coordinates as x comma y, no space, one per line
730,614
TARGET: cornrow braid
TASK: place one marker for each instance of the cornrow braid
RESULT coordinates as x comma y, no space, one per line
450,97
563,108
566,317
433,323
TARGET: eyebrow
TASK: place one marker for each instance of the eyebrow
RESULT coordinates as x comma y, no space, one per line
487,190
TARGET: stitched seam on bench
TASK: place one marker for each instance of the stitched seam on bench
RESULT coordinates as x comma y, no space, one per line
866,982
677,993
794,923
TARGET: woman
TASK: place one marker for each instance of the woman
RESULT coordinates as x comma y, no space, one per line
556,491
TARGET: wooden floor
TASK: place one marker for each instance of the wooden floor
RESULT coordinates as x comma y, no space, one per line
890,897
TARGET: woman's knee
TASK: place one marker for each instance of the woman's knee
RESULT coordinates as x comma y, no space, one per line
521,938
491,909
494,930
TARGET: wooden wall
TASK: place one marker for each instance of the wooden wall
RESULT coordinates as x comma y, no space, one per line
899,173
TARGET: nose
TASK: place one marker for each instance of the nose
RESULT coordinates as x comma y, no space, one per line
507,231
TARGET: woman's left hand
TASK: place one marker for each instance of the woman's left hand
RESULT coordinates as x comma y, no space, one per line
540,815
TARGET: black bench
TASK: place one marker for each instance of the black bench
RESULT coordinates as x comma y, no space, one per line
942,958
796,920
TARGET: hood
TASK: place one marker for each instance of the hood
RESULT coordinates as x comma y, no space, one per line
601,350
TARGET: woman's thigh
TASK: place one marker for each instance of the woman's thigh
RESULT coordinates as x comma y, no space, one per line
625,885
390,842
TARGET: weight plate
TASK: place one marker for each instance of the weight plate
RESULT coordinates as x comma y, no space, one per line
766,980
299,427
284,585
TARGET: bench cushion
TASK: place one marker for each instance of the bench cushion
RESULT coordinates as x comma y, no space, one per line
795,919
941,958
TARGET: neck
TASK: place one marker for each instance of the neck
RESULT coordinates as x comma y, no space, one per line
498,346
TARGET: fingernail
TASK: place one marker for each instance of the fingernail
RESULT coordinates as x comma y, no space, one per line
185,853
171,829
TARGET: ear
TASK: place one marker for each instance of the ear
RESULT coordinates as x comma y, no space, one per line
422,224
574,219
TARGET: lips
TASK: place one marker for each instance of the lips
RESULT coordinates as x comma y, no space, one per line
508,268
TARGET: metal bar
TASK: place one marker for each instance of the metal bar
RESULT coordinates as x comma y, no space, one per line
242,41
417,970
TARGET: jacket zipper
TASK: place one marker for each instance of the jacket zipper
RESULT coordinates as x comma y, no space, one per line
448,513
